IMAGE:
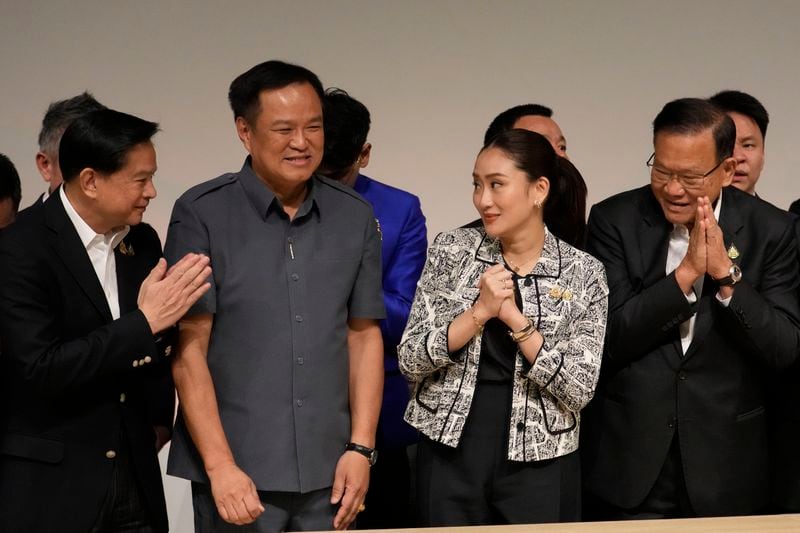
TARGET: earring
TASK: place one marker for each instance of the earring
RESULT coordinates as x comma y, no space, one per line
538,204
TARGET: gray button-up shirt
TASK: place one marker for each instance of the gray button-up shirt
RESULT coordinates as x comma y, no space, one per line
281,294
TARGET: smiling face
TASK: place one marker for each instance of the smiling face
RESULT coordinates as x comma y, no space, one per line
286,140
748,152
120,198
690,155
504,195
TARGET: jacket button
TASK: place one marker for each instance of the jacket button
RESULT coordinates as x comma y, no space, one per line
167,351
682,375
147,359
135,363
520,426
122,398
111,454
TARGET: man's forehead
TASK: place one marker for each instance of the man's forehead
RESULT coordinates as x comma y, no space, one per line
539,124
696,142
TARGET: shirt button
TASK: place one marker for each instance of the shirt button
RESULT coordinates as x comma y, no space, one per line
300,360
298,318
295,277
111,454
299,403
122,398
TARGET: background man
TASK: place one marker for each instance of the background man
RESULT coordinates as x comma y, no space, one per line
280,368
751,120
531,117
703,300
403,248
59,115
10,191
83,298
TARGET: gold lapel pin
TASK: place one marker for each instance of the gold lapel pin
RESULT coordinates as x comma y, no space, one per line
733,252
126,249
557,293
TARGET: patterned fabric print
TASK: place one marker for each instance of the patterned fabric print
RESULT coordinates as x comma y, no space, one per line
567,298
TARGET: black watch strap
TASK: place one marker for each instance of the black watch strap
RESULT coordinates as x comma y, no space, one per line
370,453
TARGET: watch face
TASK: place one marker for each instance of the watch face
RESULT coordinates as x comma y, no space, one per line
736,273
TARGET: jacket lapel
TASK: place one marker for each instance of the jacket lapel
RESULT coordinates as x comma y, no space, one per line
654,245
67,244
127,267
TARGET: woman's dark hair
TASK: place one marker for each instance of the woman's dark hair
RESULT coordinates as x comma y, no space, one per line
565,205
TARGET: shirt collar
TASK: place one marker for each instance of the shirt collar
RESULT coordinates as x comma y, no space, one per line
87,235
265,201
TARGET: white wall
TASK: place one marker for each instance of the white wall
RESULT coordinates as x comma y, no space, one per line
433,74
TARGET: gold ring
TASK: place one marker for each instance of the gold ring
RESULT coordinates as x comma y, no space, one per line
362,508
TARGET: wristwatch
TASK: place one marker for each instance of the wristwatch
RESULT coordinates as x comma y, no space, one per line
370,453
734,276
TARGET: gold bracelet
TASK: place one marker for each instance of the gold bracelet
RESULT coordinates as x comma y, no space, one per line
526,336
524,333
475,319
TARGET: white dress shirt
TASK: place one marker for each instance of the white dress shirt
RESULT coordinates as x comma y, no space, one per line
678,246
100,249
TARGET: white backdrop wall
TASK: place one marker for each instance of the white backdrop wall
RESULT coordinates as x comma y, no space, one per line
432,72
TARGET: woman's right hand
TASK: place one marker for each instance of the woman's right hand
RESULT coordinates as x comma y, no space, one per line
496,286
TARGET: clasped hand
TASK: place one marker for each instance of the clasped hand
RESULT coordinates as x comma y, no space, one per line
166,295
497,296
706,253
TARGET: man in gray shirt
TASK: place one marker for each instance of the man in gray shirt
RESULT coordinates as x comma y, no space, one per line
280,370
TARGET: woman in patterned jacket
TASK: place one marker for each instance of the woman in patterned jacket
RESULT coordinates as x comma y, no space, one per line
503,345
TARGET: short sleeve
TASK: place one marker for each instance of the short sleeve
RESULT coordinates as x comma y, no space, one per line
188,234
366,298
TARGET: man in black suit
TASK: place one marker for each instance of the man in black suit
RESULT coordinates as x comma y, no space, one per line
703,304
57,118
84,300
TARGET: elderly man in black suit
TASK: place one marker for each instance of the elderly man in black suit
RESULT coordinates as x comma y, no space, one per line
84,304
703,304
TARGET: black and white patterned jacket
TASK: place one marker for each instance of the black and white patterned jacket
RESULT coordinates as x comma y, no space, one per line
566,295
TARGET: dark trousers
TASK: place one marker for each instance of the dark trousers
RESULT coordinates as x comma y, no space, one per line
124,509
283,511
475,484
388,499
667,499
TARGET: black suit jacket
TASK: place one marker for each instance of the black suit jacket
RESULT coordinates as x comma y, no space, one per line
65,368
712,399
